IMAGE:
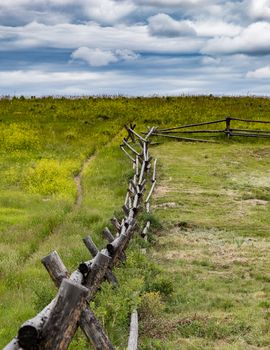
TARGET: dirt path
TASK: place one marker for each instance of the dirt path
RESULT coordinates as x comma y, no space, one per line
64,223
78,182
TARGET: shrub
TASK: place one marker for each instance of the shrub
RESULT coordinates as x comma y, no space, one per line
151,305
161,284
19,137
50,177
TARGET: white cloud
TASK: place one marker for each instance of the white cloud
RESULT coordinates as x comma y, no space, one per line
164,25
208,60
260,73
107,11
102,11
98,58
168,3
70,36
126,55
215,27
259,9
253,39
94,57
41,82
169,35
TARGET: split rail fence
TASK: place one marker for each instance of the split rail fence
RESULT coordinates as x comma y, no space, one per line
178,132
54,327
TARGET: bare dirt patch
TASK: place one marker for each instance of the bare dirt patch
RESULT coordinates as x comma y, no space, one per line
161,190
255,201
210,247
167,205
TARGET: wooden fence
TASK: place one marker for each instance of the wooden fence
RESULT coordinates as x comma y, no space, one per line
178,132
54,327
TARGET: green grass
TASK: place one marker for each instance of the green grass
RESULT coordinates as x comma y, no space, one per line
44,143
213,202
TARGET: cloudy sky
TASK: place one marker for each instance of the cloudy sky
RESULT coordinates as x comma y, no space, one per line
134,47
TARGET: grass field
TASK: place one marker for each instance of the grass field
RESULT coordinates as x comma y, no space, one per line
206,273
213,202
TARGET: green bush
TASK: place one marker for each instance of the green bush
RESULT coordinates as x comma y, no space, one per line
151,305
50,177
19,137
161,284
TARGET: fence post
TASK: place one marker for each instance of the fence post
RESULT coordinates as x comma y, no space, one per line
228,127
88,322
62,322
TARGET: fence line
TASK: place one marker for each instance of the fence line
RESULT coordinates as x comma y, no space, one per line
228,130
54,327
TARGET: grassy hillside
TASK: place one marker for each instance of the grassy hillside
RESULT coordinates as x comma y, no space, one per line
213,202
44,144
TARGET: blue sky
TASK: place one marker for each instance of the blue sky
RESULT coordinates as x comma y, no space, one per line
134,47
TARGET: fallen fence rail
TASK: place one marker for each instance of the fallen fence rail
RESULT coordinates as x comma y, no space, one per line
134,331
54,327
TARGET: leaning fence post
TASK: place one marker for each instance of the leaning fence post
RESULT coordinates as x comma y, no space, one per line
97,272
90,245
88,322
62,322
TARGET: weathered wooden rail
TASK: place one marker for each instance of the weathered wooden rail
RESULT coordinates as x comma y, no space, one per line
54,327
177,131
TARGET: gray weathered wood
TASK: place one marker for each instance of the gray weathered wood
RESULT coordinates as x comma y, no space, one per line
151,191
55,267
116,223
141,186
97,273
13,345
250,135
125,209
194,132
150,132
131,148
183,138
127,154
136,201
62,322
145,229
108,235
85,267
94,331
139,136
142,173
30,333
145,153
88,322
115,246
191,125
154,171
252,130
133,186
90,245
137,166
228,127
251,121
130,135
127,197
134,332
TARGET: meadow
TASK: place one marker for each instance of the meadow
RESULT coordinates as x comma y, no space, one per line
205,272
